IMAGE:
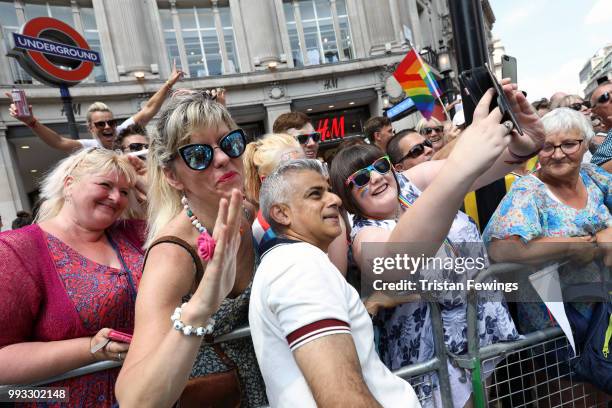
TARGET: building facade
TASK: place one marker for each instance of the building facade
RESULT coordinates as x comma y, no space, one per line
597,67
328,58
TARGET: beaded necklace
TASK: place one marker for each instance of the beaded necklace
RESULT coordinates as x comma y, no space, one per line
206,243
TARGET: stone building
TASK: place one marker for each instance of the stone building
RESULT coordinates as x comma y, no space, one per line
327,58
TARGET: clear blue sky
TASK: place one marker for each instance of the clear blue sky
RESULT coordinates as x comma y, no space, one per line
552,40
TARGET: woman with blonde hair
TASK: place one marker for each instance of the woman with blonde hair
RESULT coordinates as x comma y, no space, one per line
260,159
187,294
71,277
262,156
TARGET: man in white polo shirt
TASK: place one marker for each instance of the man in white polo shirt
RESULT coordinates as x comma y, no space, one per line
312,334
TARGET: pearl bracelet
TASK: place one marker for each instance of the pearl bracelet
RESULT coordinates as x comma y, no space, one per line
189,330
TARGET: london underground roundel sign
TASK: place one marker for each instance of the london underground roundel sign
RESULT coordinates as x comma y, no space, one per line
53,52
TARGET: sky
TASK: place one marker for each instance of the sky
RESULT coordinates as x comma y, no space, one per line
552,40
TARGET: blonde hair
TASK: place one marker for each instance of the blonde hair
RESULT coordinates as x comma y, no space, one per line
423,122
86,162
96,107
262,156
183,113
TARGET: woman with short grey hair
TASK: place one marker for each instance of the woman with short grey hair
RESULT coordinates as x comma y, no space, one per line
565,202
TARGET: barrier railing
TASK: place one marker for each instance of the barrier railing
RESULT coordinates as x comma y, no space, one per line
528,350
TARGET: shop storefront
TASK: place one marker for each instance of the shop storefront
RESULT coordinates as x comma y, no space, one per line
337,126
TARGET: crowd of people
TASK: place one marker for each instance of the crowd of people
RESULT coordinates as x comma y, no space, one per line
181,234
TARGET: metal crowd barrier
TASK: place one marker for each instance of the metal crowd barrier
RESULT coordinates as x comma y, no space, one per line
541,360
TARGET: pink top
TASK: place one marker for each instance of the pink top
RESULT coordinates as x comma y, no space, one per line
51,292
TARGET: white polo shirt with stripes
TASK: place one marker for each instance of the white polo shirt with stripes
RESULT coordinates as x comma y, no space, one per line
298,296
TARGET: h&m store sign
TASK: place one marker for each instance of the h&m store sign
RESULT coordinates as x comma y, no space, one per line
339,124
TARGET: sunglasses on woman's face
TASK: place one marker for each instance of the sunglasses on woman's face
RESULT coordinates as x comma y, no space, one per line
101,124
198,156
416,151
303,139
430,130
603,98
578,105
362,176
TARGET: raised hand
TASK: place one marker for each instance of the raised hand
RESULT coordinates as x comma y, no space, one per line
527,118
220,272
175,75
483,141
28,119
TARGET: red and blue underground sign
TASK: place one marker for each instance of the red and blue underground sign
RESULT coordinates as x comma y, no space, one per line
53,52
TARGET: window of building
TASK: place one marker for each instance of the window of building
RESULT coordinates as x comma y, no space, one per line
10,24
320,42
201,40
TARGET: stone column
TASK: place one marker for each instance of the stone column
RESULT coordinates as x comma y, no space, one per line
244,58
176,23
415,23
158,40
300,30
378,16
274,110
76,17
395,20
12,199
220,36
334,13
20,10
106,43
264,47
5,68
359,35
130,33
282,26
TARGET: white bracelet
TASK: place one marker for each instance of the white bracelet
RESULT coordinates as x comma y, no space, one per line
189,330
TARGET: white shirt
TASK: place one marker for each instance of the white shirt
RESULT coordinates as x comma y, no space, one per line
87,143
298,296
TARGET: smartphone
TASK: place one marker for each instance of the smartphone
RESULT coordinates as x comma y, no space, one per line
509,68
476,81
121,337
20,101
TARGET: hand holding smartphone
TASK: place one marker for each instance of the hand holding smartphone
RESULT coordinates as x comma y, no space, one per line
476,81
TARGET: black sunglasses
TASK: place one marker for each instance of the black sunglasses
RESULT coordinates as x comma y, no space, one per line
603,98
430,130
101,124
198,156
136,147
415,151
303,139
578,105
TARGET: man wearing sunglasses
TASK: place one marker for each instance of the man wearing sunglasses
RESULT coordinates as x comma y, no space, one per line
408,148
101,123
601,105
312,335
132,139
298,125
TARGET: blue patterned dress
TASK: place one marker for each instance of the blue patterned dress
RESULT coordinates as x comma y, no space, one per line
530,210
406,335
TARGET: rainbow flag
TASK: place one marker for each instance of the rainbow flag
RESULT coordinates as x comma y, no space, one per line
418,82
